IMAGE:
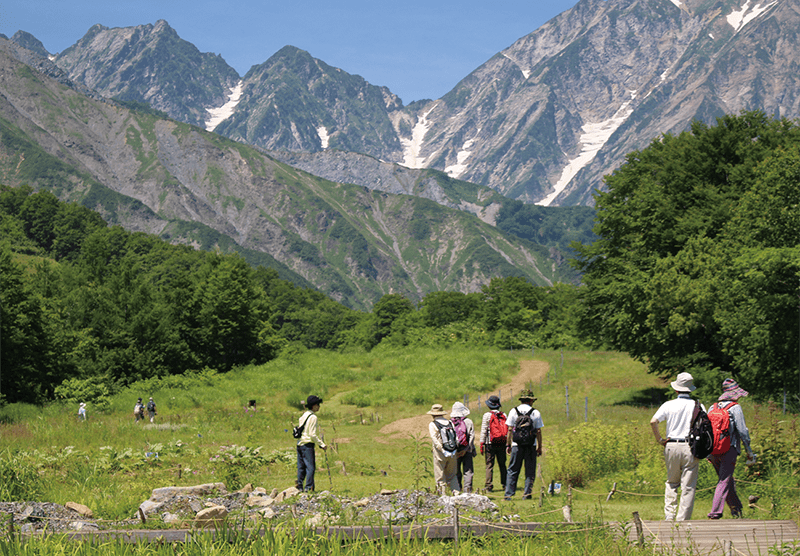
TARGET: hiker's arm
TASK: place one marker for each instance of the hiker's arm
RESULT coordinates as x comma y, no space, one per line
656,433
539,442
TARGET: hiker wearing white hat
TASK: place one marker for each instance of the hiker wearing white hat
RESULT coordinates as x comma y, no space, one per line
82,411
445,463
681,465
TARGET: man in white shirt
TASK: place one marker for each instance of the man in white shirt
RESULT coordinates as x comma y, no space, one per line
681,465
306,456
521,447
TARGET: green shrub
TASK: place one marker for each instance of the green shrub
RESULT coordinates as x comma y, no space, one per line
19,479
591,451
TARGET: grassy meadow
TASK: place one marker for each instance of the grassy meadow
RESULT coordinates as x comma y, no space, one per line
596,408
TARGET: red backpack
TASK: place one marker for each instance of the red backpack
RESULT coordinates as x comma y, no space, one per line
498,430
721,425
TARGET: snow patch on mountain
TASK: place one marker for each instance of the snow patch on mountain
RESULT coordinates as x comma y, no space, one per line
525,73
217,115
738,19
413,147
592,139
455,170
677,2
322,131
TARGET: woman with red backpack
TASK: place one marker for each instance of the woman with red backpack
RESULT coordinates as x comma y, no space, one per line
730,434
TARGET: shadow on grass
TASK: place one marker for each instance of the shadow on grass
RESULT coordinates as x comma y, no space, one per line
648,397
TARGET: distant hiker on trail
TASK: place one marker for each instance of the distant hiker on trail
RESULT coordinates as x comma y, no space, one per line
523,443
82,411
681,465
738,436
445,446
493,441
151,410
308,438
138,411
465,433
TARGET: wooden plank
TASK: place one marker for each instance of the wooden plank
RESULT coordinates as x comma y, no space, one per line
709,536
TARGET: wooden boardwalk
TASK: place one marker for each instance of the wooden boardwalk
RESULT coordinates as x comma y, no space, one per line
719,537
727,537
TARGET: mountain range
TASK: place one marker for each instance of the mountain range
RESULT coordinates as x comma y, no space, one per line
541,121
150,173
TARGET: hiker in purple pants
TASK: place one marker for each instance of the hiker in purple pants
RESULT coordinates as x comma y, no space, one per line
726,463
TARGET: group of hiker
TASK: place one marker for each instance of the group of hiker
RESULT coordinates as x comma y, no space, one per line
692,435
139,410
517,436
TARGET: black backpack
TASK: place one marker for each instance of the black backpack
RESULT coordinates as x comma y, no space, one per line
524,431
151,406
297,432
701,433
448,434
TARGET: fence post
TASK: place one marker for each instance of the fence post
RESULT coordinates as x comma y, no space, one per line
455,527
610,494
586,409
567,400
639,530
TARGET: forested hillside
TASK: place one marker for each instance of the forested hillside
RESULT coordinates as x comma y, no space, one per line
87,308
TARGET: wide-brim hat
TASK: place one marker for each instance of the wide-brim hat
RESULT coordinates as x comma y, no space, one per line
436,409
313,400
683,383
459,410
527,394
83,404
731,390
493,402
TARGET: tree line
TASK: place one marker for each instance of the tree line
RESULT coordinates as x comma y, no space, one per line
90,308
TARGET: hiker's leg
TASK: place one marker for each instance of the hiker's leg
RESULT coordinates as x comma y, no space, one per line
488,457
673,463
690,467
514,466
468,472
530,470
301,468
501,463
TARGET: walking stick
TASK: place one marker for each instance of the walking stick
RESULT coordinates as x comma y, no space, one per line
327,465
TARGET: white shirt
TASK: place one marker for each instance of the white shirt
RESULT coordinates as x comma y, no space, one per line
310,430
678,415
513,415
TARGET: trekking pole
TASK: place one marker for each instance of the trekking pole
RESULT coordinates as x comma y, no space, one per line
327,465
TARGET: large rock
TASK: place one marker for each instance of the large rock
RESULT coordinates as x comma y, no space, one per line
211,517
85,511
208,489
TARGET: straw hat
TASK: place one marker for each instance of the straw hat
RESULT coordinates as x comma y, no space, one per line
436,409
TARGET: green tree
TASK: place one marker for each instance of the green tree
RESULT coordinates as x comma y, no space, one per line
683,264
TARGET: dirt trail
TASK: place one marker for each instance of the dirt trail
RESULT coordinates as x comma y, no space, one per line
530,372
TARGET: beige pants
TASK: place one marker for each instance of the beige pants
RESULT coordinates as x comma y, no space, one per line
682,469
444,472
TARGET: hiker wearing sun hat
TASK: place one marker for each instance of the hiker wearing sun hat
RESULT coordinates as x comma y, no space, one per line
725,463
493,441
82,411
682,466
523,443
445,463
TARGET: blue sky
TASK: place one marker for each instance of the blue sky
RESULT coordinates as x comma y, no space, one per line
417,48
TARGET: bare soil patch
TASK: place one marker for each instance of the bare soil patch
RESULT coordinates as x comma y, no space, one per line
530,373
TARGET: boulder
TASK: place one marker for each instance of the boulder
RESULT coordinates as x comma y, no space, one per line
208,489
210,517
85,511
288,493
